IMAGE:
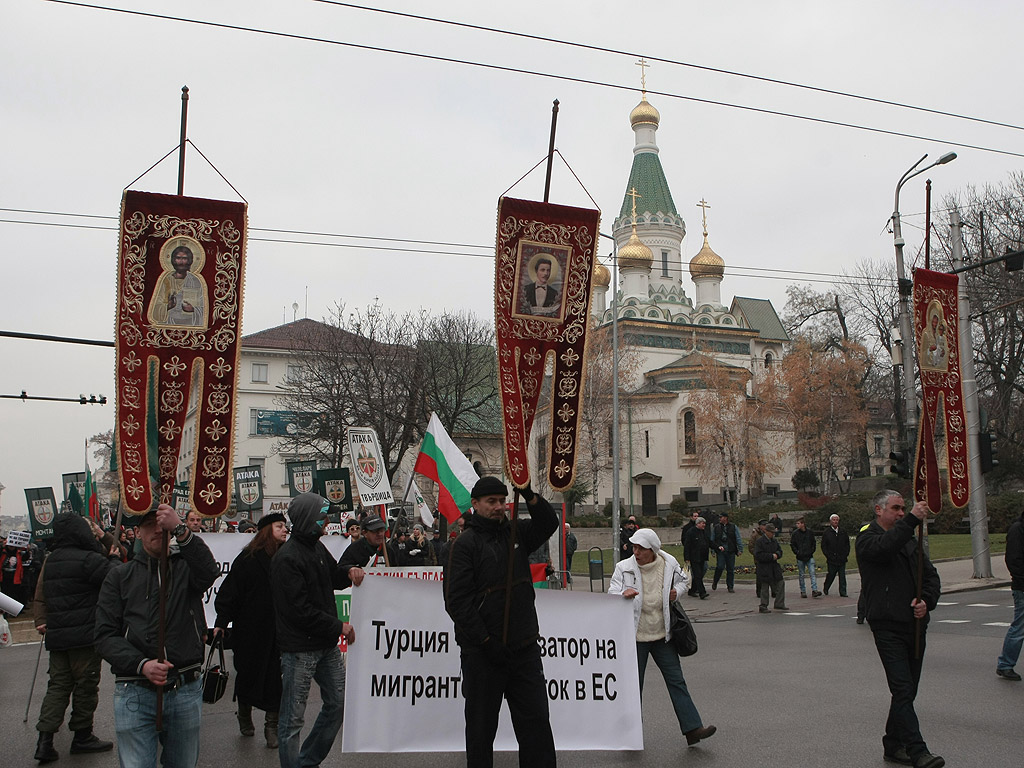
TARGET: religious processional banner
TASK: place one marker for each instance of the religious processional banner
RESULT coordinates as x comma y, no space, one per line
404,687
179,305
544,265
936,330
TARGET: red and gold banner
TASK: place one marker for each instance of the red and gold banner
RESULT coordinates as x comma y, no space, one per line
936,330
544,264
179,305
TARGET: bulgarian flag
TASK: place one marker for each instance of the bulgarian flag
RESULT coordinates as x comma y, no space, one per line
91,502
442,461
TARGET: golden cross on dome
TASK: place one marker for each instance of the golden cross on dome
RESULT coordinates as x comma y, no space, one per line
635,195
643,75
703,204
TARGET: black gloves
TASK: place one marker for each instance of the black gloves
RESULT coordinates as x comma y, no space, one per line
528,493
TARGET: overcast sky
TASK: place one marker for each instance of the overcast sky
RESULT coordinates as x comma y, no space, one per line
339,140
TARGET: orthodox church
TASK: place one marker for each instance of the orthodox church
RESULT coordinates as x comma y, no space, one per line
671,333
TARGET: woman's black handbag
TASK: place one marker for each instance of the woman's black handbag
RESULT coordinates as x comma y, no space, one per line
684,639
215,676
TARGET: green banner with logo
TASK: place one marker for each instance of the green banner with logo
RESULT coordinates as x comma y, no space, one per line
42,509
301,477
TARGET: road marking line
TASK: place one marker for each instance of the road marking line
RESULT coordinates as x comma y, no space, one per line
982,605
954,621
947,603
796,613
997,624
830,615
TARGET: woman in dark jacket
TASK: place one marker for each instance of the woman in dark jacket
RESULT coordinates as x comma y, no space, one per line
245,602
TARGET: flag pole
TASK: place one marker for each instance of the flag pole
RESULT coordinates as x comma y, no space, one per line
508,571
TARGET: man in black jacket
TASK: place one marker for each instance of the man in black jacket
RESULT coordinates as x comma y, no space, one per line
127,617
696,549
767,553
497,664
835,546
366,552
887,557
304,576
1015,634
65,615
803,545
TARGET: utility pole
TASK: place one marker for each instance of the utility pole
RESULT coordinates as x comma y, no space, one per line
977,507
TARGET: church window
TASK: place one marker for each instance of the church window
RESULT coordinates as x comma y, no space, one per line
688,433
768,359
647,444
664,263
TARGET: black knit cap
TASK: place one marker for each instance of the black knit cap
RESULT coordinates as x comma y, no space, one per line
488,486
273,517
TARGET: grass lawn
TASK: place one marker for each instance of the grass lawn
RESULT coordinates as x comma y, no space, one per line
941,547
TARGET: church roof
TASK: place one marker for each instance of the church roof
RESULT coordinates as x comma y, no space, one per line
760,316
694,359
648,178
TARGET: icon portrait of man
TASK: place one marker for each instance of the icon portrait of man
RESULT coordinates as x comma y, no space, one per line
180,295
542,293
934,349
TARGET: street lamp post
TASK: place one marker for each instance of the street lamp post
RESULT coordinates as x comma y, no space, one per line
615,397
905,288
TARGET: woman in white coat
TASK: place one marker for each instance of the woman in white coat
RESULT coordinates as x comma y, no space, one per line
652,579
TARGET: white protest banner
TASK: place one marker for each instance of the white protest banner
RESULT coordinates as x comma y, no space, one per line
371,477
226,547
18,538
404,668
9,605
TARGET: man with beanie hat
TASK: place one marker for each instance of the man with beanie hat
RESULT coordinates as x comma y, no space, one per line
304,576
497,665
127,615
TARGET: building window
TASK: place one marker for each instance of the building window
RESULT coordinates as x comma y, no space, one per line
689,434
294,374
771,490
664,263
257,461
252,420
878,445
768,359
879,471
260,372
692,497
647,444
542,453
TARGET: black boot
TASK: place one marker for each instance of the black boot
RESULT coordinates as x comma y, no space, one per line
45,753
245,725
86,741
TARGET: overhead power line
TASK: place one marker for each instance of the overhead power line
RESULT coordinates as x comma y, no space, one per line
674,62
535,73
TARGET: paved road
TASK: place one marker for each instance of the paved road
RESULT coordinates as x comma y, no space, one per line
797,690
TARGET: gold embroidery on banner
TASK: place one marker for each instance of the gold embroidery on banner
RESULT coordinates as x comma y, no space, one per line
214,463
219,400
215,431
210,494
134,489
172,399
174,366
170,430
130,425
131,455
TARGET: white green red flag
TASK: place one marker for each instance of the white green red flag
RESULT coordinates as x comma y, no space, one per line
442,461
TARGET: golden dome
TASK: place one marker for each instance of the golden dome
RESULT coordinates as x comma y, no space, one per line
635,253
707,263
644,112
602,277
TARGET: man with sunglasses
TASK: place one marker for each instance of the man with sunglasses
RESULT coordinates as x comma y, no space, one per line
888,560
304,576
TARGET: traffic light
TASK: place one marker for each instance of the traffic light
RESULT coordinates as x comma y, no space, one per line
900,465
1013,260
987,448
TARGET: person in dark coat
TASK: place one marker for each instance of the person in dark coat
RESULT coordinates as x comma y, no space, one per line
767,554
496,663
244,601
304,575
367,552
803,544
696,549
887,557
835,546
65,615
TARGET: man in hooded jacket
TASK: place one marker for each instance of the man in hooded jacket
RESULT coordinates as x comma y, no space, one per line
496,665
65,615
304,576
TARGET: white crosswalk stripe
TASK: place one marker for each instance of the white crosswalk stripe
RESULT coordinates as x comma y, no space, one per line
997,624
954,621
982,605
940,603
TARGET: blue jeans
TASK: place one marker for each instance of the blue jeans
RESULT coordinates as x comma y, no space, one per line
1014,635
726,562
903,673
803,565
298,670
667,659
135,724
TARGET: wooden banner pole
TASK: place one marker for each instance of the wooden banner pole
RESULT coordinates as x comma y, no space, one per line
551,149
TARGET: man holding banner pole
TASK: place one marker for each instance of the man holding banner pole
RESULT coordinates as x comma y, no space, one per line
499,664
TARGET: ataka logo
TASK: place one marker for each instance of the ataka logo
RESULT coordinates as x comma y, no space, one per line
249,491
335,490
302,477
368,467
43,510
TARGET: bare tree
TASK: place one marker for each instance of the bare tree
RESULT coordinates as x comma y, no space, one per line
108,489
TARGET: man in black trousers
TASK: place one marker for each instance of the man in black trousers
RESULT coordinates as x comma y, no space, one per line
496,665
